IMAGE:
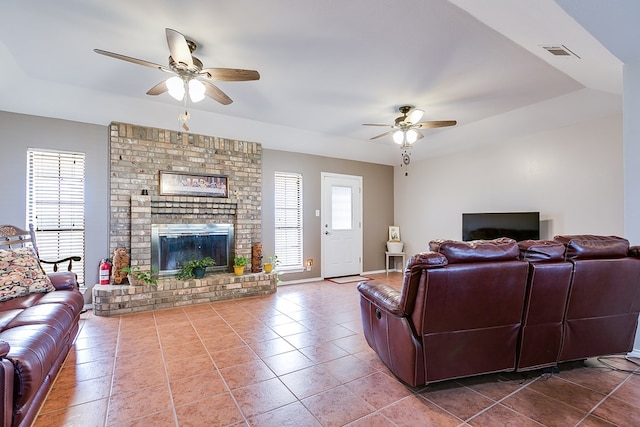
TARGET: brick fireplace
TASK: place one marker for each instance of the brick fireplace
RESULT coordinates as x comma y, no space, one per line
137,155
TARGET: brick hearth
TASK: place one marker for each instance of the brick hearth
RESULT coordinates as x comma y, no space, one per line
109,300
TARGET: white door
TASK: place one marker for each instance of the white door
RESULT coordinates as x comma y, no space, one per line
341,225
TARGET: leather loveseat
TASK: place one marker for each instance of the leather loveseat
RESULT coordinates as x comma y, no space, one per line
470,308
36,333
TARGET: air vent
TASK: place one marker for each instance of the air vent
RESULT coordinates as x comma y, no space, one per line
559,50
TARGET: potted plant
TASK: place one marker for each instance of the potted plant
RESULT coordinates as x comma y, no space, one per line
239,263
139,277
195,268
273,262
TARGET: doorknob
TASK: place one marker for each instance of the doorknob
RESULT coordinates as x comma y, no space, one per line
327,233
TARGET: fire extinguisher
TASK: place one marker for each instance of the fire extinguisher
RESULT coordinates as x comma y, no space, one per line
105,271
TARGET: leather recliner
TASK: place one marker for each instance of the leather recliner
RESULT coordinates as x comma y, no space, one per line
543,316
458,314
604,300
470,308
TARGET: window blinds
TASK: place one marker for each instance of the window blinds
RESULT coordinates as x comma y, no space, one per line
55,205
288,220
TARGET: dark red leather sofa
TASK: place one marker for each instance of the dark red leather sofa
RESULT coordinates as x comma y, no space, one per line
36,333
470,308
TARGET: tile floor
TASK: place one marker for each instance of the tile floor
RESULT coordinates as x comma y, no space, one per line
298,358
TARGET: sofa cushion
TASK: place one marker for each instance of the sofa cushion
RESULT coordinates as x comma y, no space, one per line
21,274
456,251
71,299
37,337
32,352
588,246
541,250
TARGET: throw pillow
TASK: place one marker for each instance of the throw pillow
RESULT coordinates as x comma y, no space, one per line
21,274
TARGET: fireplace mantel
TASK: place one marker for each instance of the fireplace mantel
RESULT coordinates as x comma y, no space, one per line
201,207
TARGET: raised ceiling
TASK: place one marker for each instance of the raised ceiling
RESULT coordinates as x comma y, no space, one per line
326,67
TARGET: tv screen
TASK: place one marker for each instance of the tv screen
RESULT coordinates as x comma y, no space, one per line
516,225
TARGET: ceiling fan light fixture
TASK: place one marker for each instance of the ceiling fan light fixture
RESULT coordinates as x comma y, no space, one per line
411,136
196,90
175,86
398,137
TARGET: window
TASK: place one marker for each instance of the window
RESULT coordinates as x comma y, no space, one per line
341,208
55,205
288,216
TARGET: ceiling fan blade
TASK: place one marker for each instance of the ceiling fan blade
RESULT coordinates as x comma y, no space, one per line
435,124
133,60
213,92
414,116
382,134
179,48
158,89
376,124
229,74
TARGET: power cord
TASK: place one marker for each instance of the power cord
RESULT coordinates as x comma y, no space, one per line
547,373
601,359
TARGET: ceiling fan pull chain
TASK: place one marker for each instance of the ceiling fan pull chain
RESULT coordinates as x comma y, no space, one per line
406,160
183,118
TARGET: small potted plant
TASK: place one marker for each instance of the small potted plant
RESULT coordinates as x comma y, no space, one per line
139,277
269,266
195,268
239,263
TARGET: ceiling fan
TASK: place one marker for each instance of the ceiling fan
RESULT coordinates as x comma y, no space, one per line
406,129
189,76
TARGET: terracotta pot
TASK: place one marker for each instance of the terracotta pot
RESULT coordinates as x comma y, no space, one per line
268,267
238,270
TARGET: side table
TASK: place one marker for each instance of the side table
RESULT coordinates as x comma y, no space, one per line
392,255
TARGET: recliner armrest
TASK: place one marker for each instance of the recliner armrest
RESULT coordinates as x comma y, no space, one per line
4,348
63,280
383,296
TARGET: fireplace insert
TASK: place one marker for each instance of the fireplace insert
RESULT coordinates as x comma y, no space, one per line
172,245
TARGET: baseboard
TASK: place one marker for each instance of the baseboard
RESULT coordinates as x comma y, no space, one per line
297,282
634,353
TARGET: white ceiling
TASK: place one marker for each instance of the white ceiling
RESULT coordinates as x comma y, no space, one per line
326,67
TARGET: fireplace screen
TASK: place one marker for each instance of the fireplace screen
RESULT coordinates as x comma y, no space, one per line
172,245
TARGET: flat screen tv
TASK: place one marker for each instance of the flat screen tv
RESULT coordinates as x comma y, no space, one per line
516,225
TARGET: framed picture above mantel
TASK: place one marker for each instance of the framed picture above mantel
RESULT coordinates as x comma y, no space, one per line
193,184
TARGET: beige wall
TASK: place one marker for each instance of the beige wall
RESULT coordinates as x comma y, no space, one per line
573,176
377,203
